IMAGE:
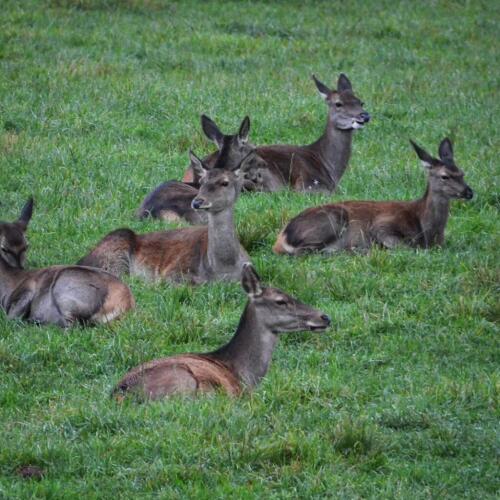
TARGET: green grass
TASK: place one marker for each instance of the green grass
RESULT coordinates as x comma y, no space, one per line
99,103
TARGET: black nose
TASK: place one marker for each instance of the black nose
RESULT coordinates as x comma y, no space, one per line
365,117
468,193
196,203
326,318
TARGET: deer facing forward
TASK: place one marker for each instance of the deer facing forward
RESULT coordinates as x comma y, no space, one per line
242,362
361,224
194,254
61,295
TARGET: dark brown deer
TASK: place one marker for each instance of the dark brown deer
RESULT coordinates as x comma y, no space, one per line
242,362
61,295
171,201
195,254
361,224
318,166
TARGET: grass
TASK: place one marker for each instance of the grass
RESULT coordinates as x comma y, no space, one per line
99,103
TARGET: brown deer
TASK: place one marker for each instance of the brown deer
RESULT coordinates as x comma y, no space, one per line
61,295
318,166
171,201
194,254
361,224
242,362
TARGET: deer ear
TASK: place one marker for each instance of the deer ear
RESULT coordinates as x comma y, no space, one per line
26,213
197,165
343,83
427,160
322,88
244,130
446,150
250,281
211,130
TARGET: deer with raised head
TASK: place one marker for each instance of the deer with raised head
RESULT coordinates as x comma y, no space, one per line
317,167
240,364
361,224
193,254
61,295
171,201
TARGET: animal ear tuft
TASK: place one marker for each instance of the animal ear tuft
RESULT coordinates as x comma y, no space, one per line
244,130
343,83
211,131
322,88
446,150
197,165
250,281
26,213
427,160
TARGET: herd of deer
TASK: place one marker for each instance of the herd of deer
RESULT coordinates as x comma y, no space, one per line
92,292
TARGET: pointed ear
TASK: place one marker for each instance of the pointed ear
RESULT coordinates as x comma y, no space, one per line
446,150
427,160
244,129
343,83
243,165
212,131
250,281
322,88
26,213
197,165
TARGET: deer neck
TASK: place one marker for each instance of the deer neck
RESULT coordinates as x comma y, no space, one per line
334,148
435,209
9,279
223,250
248,354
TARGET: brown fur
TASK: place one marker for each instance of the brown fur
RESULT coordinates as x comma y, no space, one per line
160,377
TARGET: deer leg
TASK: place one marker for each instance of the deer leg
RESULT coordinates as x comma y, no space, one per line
20,306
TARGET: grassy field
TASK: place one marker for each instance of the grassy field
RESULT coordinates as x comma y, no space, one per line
99,103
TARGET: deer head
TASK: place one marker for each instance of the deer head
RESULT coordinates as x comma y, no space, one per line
13,243
345,109
232,148
445,178
219,187
280,312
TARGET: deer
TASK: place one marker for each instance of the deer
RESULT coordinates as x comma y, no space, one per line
59,295
171,201
239,365
361,224
316,167
191,254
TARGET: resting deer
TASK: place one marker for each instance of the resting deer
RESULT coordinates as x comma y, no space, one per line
61,295
242,362
193,254
361,224
318,166
171,201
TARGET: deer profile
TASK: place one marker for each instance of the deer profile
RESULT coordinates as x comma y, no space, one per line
171,201
317,167
61,295
239,365
194,254
361,224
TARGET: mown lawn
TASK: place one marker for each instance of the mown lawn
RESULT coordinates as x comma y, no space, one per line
99,103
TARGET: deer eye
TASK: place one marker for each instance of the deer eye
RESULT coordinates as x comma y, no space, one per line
224,183
445,177
338,104
281,302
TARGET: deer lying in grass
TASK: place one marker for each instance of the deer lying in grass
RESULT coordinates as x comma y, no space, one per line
361,224
242,362
61,295
194,254
318,166
171,201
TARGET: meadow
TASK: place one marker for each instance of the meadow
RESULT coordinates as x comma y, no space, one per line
100,101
